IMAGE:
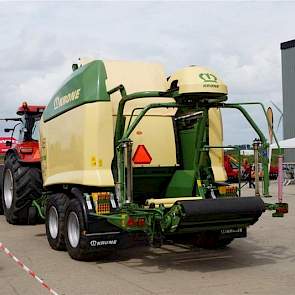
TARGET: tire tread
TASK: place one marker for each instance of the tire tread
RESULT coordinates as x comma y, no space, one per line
27,187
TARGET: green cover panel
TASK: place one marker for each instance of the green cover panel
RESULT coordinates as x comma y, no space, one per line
181,184
85,85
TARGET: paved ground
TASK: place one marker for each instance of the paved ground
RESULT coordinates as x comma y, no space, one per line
264,263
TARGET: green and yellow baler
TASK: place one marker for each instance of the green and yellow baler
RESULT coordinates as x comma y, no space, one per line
131,156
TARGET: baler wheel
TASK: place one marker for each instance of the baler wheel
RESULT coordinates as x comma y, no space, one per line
21,185
55,220
74,226
1,206
210,240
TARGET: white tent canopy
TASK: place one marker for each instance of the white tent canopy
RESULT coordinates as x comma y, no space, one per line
285,144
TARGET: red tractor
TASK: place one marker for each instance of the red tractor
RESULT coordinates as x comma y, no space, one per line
22,179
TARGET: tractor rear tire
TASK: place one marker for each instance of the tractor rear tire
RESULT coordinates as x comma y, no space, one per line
21,185
1,206
1,188
211,240
55,220
74,226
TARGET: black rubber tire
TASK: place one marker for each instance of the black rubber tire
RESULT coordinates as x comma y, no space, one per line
1,183
60,201
210,240
27,186
33,216
81,252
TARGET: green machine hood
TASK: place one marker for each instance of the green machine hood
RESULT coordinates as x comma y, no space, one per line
85,85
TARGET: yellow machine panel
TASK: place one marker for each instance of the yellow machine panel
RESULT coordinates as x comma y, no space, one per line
157,135
80,149
81,152
137,77
197,79
156,129
216,139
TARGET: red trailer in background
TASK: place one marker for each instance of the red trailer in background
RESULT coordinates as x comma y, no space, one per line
231,168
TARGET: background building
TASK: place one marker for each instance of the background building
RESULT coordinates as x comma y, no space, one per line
288,78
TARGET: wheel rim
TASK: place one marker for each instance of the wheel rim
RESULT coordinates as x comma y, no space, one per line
53,222
8,189
73,229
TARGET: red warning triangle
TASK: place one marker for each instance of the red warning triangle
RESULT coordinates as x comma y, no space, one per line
141,155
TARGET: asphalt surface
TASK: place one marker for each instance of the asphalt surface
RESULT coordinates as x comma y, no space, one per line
263,263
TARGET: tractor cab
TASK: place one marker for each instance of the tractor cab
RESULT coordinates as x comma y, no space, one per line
30,118
26,132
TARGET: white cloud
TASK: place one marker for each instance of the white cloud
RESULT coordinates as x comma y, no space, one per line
48,83
240,41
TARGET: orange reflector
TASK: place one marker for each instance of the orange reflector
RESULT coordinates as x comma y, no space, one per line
141,155
102,202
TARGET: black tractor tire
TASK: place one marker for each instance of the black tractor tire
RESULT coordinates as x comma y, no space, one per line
79,251
1,183
33,217
55,224
210,240
22,183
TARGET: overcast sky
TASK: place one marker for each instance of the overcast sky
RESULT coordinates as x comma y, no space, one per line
238,40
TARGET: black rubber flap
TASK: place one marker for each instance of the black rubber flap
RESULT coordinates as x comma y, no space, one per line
223,208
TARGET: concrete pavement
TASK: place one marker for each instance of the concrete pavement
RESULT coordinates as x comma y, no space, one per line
263,263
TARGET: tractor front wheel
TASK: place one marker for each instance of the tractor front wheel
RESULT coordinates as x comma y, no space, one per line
21,185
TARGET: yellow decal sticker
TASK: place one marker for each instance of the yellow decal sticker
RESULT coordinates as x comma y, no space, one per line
93,161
